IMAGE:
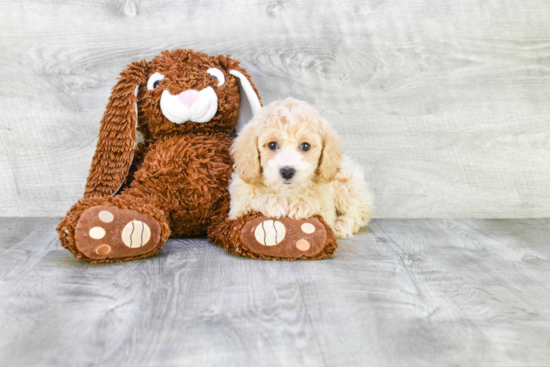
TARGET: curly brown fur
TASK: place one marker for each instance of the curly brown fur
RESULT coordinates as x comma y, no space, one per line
67,226
179,175
183,70
185,176
226,233
181,171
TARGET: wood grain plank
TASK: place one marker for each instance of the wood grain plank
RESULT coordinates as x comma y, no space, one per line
20,253
191,305
13,230
480,295
404,292
444,103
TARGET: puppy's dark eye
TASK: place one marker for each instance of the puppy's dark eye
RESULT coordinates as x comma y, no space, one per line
273,145
213,77
156,84
305,147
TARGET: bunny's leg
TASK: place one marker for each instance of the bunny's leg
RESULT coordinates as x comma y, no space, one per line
112,229
256,236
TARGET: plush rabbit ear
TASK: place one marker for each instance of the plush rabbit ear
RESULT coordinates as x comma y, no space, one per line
117,134
250,102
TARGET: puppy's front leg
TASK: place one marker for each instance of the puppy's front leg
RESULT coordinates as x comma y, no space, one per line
302,209
273,206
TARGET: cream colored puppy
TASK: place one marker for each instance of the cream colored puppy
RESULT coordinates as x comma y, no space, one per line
288,162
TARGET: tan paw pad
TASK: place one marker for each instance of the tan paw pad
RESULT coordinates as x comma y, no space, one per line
308,228
303,245
106,216
103,250
270,232
110,233
97,233
284,238
136,234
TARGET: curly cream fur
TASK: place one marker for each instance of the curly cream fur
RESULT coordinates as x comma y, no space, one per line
327,182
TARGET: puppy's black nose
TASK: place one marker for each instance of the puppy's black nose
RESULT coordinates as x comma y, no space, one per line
287,172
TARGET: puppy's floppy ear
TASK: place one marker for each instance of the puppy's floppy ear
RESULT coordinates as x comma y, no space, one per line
245,154
117,134
330,156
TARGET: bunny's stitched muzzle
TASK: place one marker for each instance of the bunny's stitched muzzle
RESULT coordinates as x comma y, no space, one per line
190,105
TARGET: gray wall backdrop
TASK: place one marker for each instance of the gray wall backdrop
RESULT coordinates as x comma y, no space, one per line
445,103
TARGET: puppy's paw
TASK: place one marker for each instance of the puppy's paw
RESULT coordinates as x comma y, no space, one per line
275,207
302,209
343,227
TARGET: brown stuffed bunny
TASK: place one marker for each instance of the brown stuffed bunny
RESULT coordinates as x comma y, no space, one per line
174,182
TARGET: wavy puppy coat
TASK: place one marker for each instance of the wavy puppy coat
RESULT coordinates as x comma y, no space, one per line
288,162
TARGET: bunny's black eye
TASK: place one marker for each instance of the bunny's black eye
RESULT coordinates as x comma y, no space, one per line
154,81
273,145
305,147
216,74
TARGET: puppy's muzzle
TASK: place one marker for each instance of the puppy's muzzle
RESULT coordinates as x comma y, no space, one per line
287,172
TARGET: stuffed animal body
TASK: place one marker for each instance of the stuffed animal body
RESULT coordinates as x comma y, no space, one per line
174,181
185,104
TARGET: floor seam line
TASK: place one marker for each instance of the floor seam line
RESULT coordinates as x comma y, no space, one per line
309,318
401,259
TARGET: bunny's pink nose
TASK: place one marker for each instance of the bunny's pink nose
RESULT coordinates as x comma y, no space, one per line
188,97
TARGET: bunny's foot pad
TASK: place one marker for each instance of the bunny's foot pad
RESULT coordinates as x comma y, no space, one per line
286,238
104,233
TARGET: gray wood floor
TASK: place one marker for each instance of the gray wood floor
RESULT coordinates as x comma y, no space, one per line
402,293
